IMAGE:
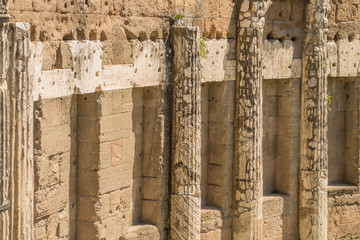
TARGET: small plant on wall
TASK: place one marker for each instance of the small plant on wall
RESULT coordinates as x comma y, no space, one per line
328,101
203,55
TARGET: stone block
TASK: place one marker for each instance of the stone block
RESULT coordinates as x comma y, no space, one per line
142,232
227,9
220,154
155,212
211,220
56,139
216,174
154,188
88,129
50,200
224,133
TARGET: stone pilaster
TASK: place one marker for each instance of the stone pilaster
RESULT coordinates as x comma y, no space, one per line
4,138
19,90
247,196
313,164
185,172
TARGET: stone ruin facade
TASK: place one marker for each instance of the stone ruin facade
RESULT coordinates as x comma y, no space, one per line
179,119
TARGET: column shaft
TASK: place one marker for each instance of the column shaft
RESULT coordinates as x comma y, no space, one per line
21,131
313,164
185,185
247,196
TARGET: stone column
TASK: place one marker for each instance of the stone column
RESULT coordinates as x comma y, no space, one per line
16,49
247,193
4,137
185,172
313,146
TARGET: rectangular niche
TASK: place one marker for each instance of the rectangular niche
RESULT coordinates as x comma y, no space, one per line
343,131
281,132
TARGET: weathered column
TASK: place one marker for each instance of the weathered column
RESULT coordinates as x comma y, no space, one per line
4,126
4,148
16,151
247,193
313,164
21,129
185,182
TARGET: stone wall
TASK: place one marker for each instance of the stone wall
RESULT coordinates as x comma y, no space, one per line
55,168
105,103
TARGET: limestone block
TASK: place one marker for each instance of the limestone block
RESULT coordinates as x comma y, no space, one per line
152,212
296,68
273,228
51,113
88,129
49,55
220,153
278,58
213,68
344,12
275,205
50,200
280,10
227,8
142,232
216,174
153,166
64,58
297,11
56,139
153,188
348,57
288,126
332,58
269,126
105,180
93,208
211,220
224,133
212,235
86,231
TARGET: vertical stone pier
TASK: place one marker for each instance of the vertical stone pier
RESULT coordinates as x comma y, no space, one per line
313,146
16,126
4,147
247,195
21,131
185,173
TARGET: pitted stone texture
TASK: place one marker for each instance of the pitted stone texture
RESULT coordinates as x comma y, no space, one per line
313,164
248,121
142,232
21,130
4,157
185,188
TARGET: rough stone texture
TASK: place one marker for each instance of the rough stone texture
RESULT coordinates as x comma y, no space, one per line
185,183
102,165
55,168
343,207
343,133
247,197
21,130
313,163
142,232
281,131
109,147
156,157
221,98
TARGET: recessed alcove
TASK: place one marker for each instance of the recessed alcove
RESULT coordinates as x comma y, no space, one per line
281,130
343,131
280,149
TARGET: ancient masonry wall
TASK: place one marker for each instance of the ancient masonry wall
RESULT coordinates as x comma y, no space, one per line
238,120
